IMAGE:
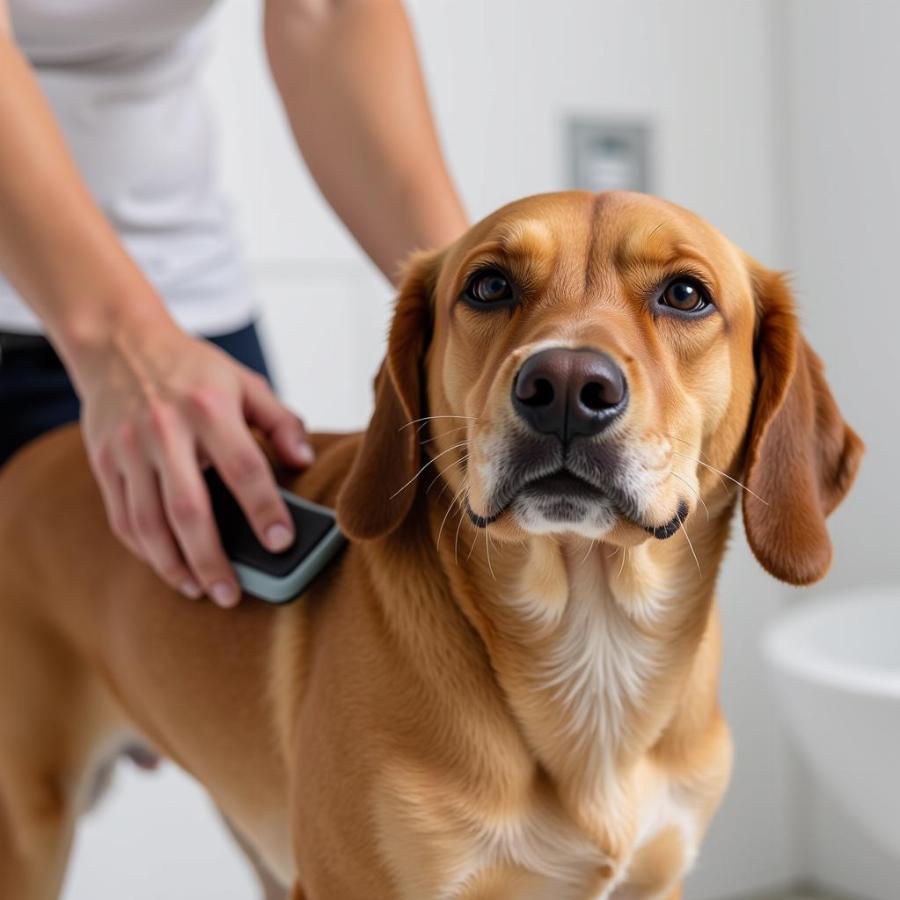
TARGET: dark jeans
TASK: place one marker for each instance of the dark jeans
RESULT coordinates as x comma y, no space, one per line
37,395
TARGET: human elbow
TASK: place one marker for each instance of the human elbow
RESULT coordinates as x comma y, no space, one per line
292,25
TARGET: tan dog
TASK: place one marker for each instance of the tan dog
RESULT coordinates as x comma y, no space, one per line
506,686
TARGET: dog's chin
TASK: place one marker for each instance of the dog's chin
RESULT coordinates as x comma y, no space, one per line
591,519
561,503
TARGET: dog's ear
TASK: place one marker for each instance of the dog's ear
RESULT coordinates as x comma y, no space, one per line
802,456
375,498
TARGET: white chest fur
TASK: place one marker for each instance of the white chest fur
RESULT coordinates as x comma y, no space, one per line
577,667
444,846
586,655
581,664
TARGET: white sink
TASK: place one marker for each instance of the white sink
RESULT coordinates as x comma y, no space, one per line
836,670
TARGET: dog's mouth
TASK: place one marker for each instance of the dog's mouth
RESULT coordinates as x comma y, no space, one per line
560,494
563,483
565,496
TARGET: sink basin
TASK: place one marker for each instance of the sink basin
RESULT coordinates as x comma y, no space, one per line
836,670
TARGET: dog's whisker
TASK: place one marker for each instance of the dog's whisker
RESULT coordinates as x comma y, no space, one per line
622,566
700,454
690,487
462,517
439,475
472,548
434,480
700,460
424,425
721,474
450,507
493,542
442,434
487,552
586,555
430,462
687,537
444,472
430,418
690,444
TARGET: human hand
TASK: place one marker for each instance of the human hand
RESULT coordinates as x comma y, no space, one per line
156,407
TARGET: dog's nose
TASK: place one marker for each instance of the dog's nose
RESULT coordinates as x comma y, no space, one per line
569,392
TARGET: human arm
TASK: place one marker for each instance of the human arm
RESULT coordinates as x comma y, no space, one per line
351,85
154,400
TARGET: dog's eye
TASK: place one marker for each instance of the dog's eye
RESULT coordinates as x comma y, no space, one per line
488,287
685,296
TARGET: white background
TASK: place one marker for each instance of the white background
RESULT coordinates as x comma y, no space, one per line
775,119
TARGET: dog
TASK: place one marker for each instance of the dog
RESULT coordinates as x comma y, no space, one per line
506,686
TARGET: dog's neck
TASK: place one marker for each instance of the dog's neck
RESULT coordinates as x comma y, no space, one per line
591,648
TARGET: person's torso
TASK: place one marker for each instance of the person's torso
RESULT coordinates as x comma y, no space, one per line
123,79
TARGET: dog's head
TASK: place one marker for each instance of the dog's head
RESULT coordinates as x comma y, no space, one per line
601,365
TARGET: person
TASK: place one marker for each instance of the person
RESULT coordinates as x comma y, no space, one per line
122,297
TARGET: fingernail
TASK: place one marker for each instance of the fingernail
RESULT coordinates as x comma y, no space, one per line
278,537
305,454
224,593
190,589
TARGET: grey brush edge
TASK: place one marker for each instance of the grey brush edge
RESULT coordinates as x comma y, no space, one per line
272,589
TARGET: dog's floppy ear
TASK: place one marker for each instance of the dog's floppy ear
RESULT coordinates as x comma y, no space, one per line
373,500
802,456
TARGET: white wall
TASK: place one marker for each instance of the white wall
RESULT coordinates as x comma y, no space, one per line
503,74
842,139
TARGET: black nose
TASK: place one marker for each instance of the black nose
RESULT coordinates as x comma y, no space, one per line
569,392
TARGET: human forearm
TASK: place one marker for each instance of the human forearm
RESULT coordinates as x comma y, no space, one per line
155,402
56,246
353,91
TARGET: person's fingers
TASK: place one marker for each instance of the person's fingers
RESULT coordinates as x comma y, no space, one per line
150,528
247,473
112,489
189,514
284,429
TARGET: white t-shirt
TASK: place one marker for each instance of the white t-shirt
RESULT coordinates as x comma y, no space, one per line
123,79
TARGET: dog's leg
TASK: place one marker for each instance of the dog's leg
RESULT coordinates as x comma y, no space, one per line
272,889
36,825
51,714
